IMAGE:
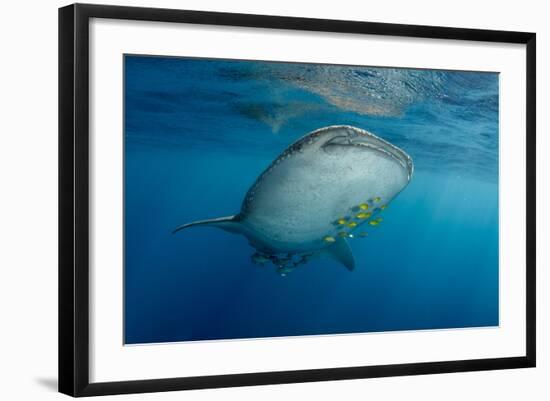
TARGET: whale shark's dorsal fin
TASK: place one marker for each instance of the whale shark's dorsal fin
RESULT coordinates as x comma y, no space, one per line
340,251
228,223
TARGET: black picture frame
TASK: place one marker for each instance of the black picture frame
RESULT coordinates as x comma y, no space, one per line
74,198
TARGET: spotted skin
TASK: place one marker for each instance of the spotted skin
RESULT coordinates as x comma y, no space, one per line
315,188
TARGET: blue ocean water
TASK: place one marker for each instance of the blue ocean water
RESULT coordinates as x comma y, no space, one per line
197,134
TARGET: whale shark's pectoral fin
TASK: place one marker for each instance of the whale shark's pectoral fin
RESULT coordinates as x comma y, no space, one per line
229,223
340,251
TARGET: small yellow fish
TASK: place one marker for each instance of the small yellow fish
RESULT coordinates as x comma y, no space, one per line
379,219
383,207
377,199
363,234
364,215
328,238
341,221
342,234
374,222
364,206
352,224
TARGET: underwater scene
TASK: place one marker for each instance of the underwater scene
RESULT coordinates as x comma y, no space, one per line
271,199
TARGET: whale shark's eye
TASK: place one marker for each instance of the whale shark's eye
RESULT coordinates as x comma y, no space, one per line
352,132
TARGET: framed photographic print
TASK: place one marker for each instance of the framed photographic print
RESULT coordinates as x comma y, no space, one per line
249,199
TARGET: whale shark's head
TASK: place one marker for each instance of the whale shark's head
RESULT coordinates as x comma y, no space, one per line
343,140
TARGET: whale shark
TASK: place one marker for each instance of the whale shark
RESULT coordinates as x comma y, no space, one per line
328,186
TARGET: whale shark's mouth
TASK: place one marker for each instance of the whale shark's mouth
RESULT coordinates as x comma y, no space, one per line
363,139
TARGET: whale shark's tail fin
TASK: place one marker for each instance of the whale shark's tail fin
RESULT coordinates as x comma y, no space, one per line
228,223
